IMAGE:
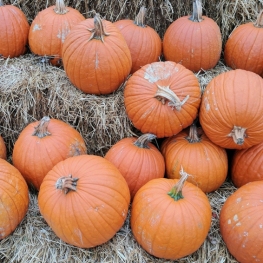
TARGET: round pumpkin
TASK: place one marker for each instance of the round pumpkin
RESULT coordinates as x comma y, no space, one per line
49,29
14,30
191,150
14,198
143,41
138,160
162,98
243,47
194,41
165,220
241,223
96,57
85,200
42,144
2,148
231,111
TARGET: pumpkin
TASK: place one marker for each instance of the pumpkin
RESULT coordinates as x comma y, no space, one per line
165,220
14,198
195,41
96,57
2,148
243,47
14,30
138,160
241,223
206,162
49,29
143,41
42,144
85,200
162,98
231,111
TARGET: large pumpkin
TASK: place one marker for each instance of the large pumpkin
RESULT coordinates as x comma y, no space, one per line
42,144
170,218
162,98
96,57
85,200
231,111
138,160
243,47
195,41
14,30
49,29
143,41
14,198
241,223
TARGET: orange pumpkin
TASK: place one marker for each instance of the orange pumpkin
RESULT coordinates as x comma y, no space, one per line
49,29
143,41
162,98
85,200
14,30
42,144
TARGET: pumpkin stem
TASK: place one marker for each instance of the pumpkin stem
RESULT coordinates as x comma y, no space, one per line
165,93
238,134
140,18
67,183
193,135
41,129
98,32
60,7
259,21
143,140
176,192
1,3
197,11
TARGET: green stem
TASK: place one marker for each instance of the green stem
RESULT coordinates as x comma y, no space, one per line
140,18
197,11
143,140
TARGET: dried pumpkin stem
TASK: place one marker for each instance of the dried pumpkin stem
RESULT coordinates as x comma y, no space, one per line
41,129
140,18
98,32
238,134
60,7
143,140
165,93
259,21
193,136
197,11
67,183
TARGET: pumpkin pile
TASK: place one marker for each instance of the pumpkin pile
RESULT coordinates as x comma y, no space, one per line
182,134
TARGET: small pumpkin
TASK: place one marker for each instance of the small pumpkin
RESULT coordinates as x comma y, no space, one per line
14,30
49,29
42,144
85,200
143,41
165,220
138,160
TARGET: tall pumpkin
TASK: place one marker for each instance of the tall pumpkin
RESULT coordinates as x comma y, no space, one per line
49,29
231,111
42,144
143,41
195,41
14,30
96,56
243,47
85,200
162,98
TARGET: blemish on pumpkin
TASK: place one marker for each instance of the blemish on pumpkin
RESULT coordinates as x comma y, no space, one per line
245,234
36,27
260,226
238,224
63,33
207,105
229,221
239,199
96,61
235,218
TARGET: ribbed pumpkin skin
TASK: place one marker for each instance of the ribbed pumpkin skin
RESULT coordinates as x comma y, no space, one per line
150,115
241,223
48,31
96,67
92,214
144,43
167,228
233,98
137,165
204,161
14,198
247,165
34,157
14,30
196,45
2,148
